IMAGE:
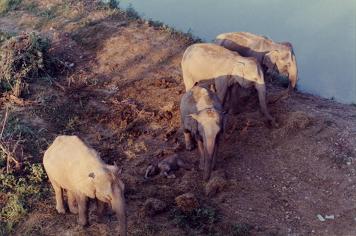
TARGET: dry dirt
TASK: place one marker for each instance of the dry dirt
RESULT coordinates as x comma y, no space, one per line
122,95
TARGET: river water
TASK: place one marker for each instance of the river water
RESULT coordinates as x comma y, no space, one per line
323,33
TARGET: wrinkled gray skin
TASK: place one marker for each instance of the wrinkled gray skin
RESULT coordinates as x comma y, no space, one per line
202,121
165,167
275,58
211,63
73,166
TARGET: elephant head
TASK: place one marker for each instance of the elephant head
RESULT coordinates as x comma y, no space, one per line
109,188
283,62
210,127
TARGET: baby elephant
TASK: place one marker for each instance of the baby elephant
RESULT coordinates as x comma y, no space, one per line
202,119
73,166
165,167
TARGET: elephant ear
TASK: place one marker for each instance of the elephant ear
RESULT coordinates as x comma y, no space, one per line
270,59
116,174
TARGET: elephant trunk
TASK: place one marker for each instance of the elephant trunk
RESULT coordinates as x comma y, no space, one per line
293,74
210,146
118,206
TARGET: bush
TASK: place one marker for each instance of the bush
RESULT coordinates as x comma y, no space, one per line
22,59
19,191
7,5
201,219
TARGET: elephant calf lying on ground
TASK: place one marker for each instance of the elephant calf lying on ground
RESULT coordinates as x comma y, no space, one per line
166,166
206,61
274,57
73,166
202,120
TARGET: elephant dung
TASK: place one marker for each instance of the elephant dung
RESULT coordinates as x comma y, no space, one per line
187,202
153,206
216,183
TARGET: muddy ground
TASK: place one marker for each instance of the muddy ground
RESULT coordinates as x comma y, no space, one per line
121,93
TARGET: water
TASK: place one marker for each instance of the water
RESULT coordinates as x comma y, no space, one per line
323,33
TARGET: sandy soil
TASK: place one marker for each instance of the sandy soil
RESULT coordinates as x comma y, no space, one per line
122,97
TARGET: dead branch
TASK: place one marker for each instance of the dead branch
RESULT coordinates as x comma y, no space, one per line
4,121
5,149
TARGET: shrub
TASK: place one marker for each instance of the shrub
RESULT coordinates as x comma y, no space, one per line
8,5
201,219
22,59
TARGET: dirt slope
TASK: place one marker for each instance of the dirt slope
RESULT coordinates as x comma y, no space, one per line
122,96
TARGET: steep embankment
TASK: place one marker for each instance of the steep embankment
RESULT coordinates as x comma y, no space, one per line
121,93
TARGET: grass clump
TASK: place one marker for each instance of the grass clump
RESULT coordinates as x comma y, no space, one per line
19,191
22,59
8,5
200,219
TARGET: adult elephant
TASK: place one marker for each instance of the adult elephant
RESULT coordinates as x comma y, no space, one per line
274,57
223,68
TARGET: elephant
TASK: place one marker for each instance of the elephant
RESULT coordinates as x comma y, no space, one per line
73,166
204,62
202,119
166,166
275,58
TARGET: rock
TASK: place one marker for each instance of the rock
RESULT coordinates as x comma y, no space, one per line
320,217
187,202
153,206
329,217
216,183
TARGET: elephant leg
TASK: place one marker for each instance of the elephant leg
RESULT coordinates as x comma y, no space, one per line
59,197
72,204
261,90
188,140
202,156
83,209
100,207
221,85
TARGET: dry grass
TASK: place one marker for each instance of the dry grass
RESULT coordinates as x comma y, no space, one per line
22,59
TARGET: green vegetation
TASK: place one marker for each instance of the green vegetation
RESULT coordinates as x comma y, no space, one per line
8,5
22,59
23,184
19,190
200,219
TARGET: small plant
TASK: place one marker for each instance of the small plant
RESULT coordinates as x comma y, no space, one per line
8,5
201,219
4,36
49,14
72,124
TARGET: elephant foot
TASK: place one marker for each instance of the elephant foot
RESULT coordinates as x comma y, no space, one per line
73,210
83,222
60,210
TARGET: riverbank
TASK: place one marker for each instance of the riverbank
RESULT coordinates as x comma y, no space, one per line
120,92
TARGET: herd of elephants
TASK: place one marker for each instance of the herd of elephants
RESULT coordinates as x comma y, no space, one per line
209,71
